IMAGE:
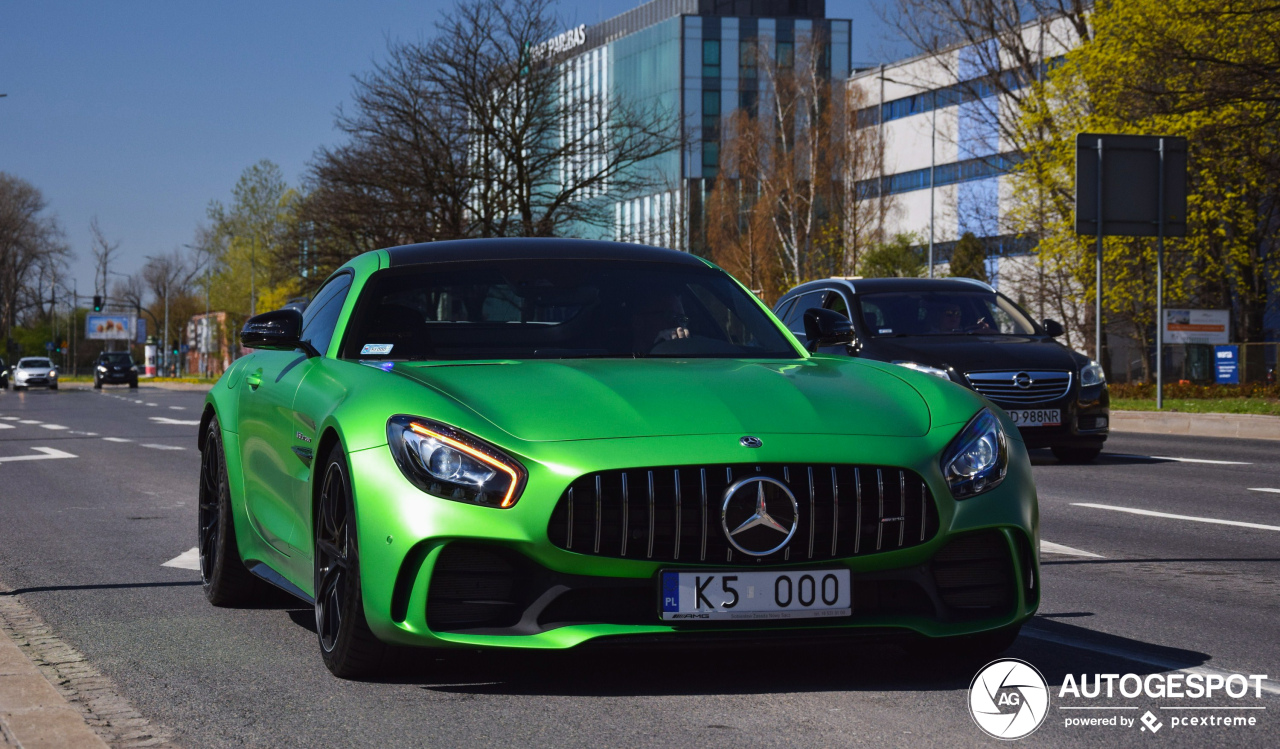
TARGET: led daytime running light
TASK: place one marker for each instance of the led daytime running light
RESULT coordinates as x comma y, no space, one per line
507,500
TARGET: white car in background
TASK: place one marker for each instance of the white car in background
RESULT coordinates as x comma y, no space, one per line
35,371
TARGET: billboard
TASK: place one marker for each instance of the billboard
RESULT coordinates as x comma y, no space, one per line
1197,326
108,327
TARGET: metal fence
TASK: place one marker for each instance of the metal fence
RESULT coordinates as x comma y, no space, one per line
1196,363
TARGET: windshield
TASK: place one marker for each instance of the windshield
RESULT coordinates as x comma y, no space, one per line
926,313
35,364
118,358
559,309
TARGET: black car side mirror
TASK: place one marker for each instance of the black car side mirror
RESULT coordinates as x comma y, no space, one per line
1053,328
278,330
826,327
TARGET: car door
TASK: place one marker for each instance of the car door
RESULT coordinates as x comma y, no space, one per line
269,425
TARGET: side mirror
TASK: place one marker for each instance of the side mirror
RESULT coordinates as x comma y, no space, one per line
826,327
278,330
1053,328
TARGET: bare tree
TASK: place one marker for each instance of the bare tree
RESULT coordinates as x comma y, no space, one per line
32,253
102,250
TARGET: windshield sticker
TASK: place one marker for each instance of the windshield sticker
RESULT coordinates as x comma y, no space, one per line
884,331
376,349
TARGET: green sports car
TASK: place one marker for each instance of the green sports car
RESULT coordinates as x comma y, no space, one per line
544,443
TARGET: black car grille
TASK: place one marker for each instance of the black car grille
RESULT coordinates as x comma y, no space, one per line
974,575
1035,387
673,513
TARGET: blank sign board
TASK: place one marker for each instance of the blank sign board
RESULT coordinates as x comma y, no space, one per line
1131,185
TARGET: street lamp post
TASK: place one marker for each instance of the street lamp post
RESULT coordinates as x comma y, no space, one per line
933,147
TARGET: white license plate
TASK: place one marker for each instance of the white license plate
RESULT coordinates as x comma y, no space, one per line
702,596
1036,417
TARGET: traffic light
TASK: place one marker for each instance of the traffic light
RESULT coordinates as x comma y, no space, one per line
97,304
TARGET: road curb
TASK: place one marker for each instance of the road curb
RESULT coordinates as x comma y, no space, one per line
32,712
1244,426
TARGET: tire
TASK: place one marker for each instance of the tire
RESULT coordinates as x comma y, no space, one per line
97,384
348,647
133,383
226,581
54,386
1076,455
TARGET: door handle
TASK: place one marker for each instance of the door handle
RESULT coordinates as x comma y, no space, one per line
254,379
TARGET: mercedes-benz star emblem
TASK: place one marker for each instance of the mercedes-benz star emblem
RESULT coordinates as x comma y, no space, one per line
755,511
750,441
1022,380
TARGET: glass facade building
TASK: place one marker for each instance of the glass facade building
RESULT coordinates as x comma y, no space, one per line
690,57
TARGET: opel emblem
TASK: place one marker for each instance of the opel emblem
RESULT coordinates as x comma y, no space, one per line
750,441
1022,380
759,515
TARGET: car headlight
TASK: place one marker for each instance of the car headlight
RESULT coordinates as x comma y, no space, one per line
451,464
101,368
133,369
936,372
1091,374
977,459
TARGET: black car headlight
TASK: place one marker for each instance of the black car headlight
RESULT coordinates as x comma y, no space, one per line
977,459
1091,374
451,464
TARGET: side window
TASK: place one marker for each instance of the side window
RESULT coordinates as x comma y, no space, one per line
322,313
784,308
795,319
835,301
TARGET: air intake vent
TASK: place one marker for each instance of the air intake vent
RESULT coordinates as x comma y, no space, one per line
974,575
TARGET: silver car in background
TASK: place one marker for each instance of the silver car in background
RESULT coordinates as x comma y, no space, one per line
34,371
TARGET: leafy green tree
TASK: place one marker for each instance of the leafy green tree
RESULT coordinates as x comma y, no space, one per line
969,258
900,257
251,242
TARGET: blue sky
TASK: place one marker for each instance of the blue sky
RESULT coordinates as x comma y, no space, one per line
142,112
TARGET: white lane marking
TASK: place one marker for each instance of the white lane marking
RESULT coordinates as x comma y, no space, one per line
164,447
9,418
1182,460
176,422
1048,547
115,439
1266,685
187,560
139,402
55,427
151,404
1154,514
48,453
177,408
28,421
6,426
86,434
1258,489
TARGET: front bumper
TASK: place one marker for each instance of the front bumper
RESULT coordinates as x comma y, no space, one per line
1086,420
117,378
41,382
416,551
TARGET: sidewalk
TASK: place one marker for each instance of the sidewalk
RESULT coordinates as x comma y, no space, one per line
33,713
1245,426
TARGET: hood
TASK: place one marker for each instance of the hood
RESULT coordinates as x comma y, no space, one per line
551,400
973,353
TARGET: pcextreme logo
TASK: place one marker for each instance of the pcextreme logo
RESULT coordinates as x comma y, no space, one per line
1009,699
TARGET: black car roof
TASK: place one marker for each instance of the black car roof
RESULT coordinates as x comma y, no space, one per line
530,248
873,285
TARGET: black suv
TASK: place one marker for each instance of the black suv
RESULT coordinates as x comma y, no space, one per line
962,330
115,368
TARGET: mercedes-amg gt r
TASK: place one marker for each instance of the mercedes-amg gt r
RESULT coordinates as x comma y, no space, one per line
545,443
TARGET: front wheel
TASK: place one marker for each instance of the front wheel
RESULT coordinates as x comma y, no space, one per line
347,645
226,580
54,386
1076,455
97,384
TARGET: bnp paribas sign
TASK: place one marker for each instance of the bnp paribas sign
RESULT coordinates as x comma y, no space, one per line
561,43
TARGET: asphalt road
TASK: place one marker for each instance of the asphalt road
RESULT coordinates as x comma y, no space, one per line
83,540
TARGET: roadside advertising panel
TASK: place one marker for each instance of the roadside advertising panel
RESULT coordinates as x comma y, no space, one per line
1211,326
1226,369
107,327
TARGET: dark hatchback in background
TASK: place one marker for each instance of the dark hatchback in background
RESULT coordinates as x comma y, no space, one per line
115,368
964,331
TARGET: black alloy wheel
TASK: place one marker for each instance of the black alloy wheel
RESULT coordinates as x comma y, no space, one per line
226,580
347,645
97,383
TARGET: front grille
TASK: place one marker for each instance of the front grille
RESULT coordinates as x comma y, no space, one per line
475,587
1004,387
673,514
974,575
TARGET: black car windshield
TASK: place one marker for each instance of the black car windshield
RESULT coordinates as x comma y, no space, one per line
559,309
117,358
35,364
931,313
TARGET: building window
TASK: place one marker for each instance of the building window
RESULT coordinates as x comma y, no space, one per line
711,115
747,59
786,54
711,58
710,155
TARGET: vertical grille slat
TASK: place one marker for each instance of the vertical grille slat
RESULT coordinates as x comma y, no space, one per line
660,527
